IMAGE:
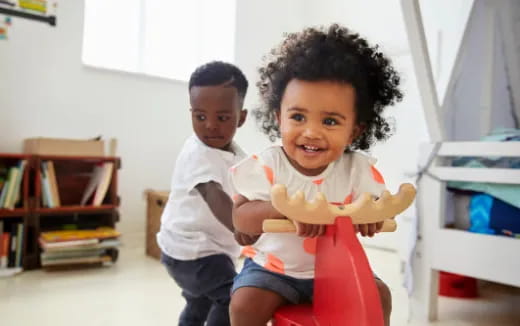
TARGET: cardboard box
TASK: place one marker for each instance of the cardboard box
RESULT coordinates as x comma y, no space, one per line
156,201
68,147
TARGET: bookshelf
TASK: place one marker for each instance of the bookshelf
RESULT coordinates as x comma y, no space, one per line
72,175
19,215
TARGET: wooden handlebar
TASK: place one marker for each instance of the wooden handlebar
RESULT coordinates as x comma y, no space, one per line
286,226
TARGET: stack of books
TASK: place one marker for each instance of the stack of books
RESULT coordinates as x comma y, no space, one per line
78,247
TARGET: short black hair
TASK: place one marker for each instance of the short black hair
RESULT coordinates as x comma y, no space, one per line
216,73
331,54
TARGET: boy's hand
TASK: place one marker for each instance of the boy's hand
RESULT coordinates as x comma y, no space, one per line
244,239
368,229
309,230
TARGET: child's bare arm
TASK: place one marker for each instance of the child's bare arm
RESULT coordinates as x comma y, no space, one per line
218,201
248,215
244,239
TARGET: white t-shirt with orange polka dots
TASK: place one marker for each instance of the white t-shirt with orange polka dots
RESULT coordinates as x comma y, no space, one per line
341,182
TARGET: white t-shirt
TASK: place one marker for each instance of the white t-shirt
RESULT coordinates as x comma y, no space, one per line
341,182
189,230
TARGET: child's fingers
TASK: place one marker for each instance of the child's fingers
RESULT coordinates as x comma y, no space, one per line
309,230
314,231
379,226
321,230
363,229
300,228
371,229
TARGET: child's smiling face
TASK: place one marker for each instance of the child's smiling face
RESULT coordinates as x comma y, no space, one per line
216,114
317,122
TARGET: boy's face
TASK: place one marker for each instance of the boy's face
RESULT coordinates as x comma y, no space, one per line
216,113
317,122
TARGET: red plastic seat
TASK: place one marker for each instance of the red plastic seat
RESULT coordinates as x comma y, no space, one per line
345,292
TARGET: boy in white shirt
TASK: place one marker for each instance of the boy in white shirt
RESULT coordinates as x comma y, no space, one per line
196,235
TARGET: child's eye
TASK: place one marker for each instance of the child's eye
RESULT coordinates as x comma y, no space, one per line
330,121
200,117
223,118
298,117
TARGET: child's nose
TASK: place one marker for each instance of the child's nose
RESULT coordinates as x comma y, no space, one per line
312,132
211,124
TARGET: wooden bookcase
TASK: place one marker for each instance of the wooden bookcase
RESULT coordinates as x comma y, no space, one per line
72,175
21,213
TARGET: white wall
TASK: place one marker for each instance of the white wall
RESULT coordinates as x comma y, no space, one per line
381,22
46,91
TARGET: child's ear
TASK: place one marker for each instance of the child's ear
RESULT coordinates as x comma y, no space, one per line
242,119
278,117
358,131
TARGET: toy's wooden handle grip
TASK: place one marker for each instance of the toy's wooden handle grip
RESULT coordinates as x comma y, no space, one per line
285,226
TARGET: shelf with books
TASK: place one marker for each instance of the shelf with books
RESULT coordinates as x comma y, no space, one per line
56,193
14,211
65,181
74,193
14,182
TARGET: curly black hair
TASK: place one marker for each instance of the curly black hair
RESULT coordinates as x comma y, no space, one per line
332,54
216,73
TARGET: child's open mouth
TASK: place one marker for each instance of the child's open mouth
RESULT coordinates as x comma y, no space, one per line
310,148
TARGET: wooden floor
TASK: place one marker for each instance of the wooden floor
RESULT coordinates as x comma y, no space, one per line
138,291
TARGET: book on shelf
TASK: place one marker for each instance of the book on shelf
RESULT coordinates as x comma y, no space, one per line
48,197
53,183
4,254
65,244
12,176
18,185
79,245
12,250
78,260
19,245
102,187
98,184
11,245
64,254
3,179
10,193
95,178
72,235
3,194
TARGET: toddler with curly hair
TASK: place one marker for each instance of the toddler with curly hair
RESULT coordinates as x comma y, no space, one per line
323,93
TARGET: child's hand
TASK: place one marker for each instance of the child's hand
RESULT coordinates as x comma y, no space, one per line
244,239
368,229
309,230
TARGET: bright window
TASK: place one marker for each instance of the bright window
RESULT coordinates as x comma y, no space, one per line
166,38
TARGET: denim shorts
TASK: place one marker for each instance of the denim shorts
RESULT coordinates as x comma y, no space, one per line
293,289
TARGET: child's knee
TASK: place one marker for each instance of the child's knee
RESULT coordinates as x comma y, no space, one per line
253,306
385,296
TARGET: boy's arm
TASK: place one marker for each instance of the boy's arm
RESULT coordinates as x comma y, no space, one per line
248,215
218,201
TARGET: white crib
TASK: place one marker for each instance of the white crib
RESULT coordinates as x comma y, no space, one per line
493,258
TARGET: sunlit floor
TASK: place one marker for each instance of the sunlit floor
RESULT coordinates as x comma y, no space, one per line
138,291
